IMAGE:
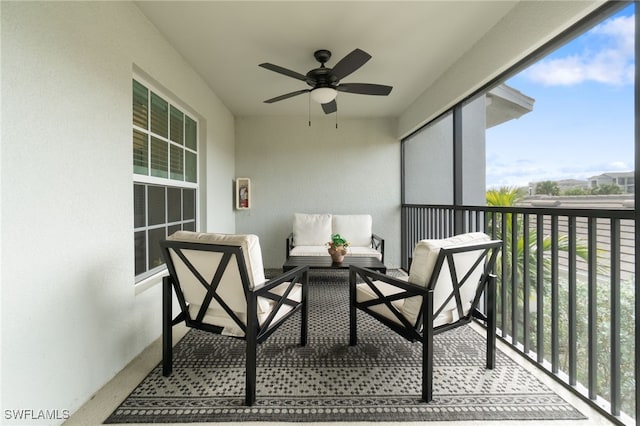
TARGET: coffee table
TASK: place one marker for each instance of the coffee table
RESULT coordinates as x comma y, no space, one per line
325,262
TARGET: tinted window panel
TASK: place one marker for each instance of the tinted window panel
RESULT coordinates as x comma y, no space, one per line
155,254
159,158
140,251
156,205
177,125
189,204
159,115
191,133
177,161
191,166
140,153
139,206
174,204
140,105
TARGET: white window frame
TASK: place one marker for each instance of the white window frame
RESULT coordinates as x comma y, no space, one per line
154,275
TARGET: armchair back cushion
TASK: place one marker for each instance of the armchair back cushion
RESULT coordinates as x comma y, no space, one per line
355,228
312,229
230,287
424,259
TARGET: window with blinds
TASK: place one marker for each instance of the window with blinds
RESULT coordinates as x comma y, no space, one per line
165,174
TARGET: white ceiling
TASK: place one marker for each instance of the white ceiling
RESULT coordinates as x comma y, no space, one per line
411,43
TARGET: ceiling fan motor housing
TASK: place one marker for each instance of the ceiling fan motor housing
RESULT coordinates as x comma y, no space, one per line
321,77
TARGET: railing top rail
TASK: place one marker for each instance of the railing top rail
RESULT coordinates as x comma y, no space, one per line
549,211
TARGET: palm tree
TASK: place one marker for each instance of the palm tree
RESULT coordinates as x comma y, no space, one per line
509,196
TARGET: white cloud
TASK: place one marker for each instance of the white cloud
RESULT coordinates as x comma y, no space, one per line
611,62
620,166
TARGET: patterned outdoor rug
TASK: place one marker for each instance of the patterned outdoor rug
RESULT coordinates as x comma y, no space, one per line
328,380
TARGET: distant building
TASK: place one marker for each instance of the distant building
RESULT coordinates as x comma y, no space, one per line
624,180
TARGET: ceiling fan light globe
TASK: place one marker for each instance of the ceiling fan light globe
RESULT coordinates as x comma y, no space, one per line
323,95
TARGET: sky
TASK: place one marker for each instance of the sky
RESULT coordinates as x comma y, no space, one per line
582,121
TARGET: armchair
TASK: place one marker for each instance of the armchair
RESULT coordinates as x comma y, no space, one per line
446,280
219,282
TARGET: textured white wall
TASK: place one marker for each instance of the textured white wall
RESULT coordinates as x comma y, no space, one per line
318,169
70,316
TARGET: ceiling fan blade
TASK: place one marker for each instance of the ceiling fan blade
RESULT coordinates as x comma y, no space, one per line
286,96
365,89
284,71
350,63
330,107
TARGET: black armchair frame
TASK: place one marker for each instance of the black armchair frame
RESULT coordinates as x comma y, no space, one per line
422,329
254,332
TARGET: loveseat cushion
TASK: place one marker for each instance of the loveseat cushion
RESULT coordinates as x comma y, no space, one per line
311,229
425,255
355,228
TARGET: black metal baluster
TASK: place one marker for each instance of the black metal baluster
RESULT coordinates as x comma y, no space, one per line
573,337
505,279
525,284
615,317
555,338
592,308
514,278
540,287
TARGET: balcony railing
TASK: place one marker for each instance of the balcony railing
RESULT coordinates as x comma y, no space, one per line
566,291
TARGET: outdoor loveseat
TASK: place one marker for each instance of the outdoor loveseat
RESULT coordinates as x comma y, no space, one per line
312,233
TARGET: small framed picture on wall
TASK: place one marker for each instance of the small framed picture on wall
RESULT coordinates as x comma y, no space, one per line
243,193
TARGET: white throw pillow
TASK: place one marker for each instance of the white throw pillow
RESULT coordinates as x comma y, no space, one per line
311,229
355,228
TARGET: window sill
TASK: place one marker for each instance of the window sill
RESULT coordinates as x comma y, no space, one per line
149,282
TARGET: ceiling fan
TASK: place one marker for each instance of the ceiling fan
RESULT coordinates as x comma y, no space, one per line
325,82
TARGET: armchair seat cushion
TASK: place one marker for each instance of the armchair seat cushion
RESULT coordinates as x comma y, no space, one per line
216,316
365,293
